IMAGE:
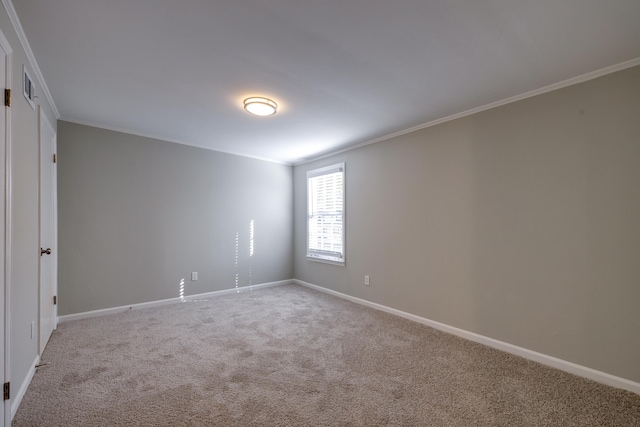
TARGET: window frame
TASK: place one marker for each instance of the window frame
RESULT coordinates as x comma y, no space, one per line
317,256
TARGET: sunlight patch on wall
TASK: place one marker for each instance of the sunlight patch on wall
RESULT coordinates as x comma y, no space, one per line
248,281
251,228
237,284
251,238
181,289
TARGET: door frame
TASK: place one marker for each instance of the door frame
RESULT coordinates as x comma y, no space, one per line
5,237
42,120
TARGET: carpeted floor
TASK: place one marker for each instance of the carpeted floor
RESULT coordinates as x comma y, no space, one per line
290,356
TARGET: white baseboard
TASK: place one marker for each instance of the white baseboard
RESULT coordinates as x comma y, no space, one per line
554,362
113,310
17,399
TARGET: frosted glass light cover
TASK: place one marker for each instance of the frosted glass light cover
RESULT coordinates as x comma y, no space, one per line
260,106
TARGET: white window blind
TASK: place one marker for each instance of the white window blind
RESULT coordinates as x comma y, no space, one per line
325,224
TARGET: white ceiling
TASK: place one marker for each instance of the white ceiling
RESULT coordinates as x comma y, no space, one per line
342,71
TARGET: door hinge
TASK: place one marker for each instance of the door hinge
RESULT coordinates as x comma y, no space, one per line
7,391
55,158
7,97
55,299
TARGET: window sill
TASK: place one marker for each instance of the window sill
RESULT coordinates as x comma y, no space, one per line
325,261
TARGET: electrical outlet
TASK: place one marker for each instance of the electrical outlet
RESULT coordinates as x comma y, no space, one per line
366,280
194,276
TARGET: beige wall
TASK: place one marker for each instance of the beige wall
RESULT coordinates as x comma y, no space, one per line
520,223
24,211
137,215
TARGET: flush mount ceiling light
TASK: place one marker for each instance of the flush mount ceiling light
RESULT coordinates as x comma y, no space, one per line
260,106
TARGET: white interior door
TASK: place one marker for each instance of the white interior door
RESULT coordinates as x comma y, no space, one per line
5,224
48,243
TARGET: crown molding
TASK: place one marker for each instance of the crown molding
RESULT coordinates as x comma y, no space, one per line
13,17
562,84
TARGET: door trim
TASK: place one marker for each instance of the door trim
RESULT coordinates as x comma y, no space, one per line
6,239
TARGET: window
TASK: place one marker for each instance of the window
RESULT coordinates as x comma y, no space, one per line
325,214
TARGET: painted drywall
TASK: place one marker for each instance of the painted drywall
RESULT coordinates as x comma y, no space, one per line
138,215
23,284
520,223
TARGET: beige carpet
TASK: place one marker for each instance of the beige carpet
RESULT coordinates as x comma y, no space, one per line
289,356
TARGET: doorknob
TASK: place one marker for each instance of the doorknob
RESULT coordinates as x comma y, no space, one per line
45,251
